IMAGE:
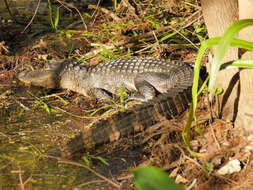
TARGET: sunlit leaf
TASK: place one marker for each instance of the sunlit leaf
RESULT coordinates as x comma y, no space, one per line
152,178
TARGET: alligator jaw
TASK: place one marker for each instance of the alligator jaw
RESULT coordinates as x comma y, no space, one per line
46,79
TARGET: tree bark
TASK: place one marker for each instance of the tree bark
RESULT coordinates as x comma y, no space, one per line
236,103
245,106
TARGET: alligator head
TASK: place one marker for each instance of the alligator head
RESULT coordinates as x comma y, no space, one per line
43,78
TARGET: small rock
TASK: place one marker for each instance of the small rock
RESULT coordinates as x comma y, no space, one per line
231,167
249,147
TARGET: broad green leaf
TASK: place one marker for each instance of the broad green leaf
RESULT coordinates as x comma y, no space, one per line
152,178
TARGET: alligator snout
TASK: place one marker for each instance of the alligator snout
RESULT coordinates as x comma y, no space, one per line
46,79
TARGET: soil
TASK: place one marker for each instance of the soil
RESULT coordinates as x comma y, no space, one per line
37,123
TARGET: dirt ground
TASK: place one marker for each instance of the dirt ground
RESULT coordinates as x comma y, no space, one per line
168,30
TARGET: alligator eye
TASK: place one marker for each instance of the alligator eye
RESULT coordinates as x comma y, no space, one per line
22,74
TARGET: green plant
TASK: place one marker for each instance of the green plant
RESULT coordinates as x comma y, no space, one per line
223,43
150,178
88,157
209,167
42,104
54,19
123,94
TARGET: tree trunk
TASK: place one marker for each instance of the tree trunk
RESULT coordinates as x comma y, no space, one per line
236,103
245,106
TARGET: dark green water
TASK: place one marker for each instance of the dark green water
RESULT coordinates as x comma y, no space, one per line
26,137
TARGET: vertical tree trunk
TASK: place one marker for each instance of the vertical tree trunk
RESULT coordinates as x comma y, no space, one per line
245,106
237,100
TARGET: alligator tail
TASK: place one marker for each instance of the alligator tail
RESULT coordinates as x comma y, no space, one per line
138,118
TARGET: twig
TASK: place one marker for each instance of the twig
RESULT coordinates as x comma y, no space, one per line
54,95
80,14
91,170
190,159
130,8
129,176
95,13
185,38
22,185
195,6
97,51
35,12
83,166
215,139
195,162
5,94
66,7
62,110
157,42
12,16
194,182
73,115
209,105
22,105
202,168
90,182
106,11
3,134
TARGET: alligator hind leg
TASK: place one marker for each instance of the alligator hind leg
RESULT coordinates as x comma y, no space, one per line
150,84
145,91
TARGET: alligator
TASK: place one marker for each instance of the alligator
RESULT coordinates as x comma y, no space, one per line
163,87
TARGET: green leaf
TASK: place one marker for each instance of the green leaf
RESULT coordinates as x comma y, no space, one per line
186,133
50,12
200,29
101,160
219,91
128,52
167,36
46,107
122,99
135,33
115,4
86,161
106,29
209,167
242,63
242,44
56,19
68,34
152,178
